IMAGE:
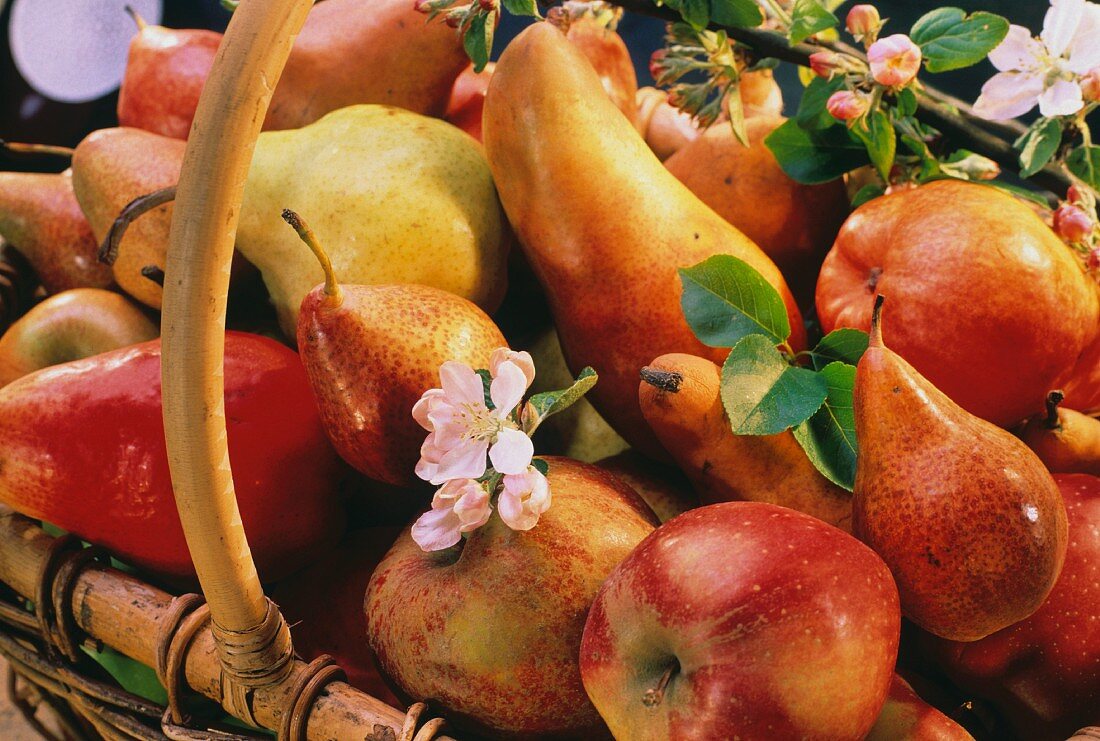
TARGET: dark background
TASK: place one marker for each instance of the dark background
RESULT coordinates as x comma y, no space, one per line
27,116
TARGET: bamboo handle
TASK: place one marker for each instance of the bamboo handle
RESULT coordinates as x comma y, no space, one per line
219,151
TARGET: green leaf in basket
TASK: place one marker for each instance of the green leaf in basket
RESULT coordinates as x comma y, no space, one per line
1084,162
845,345
763,394
829,436
811,157
950,39
541,406
807,18
478,39
724,299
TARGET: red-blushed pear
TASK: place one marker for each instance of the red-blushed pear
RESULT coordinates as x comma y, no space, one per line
1065,440
955,258
489,629
1082,383
743,620
606,52
468,100
323,603
906,717
371,351
603,223
165,73
1043,672
968,519
41,219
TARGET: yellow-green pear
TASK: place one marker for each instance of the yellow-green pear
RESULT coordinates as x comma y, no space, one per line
396,197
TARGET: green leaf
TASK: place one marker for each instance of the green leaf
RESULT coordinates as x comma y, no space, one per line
521,7
724,300
1017,191
950,39
807,18
868,192
812,113
1038,145
762,393
478,39
541,406
812,157
696,13
907,101
1084,162
486,383
739,13
133,676
844,345
829,436
540,465
877,134
735,107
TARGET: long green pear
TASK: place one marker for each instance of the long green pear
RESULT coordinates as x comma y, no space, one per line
400,197
968,519
603,223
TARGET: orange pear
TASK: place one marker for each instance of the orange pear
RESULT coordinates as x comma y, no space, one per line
603,223
1065,440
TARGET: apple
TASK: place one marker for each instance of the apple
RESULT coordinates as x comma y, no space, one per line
743,620
468,99
1043,673
906,717
489,630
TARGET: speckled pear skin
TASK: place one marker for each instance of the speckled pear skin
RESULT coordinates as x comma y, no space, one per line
40,217
398,198
603,223
968,519
370,358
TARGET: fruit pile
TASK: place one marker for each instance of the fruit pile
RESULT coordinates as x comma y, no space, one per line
582,410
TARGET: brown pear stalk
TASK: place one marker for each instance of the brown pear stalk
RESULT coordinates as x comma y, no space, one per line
968,519
371,351
1065,440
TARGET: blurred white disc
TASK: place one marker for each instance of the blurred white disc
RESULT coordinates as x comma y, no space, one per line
74,50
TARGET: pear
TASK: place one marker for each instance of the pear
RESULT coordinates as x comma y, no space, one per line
1065,440
603,223
402,198
40,217
681,400
608,54
968,519
112,167
71,325
371,351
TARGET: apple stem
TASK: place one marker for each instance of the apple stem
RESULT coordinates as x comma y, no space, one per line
332,286
876,321
154,273
654,695
108,251
1054,398
21,148
138,20
669,381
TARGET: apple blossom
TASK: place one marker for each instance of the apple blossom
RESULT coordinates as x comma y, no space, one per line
1072,224
463,429
524,497
1047,70
521,359
826,63
847,105
459,506
863,22
1090,85
895,60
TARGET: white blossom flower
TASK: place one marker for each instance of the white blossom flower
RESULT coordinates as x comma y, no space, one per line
1046,70
523,499
459,506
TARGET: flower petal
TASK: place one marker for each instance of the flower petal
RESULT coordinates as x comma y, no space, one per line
464,461
1007,95
522,359
1018,52
1060,24
507,388
523,499
461,384
423,406
511,453
437,529
1063,98
473,507
1084,50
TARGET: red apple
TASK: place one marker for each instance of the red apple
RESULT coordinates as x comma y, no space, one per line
489,630
743,620
906,717
468,100
1043,673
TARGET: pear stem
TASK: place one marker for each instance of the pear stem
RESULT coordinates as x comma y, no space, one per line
1054,398
138,20
108,251
669,381
876,321
154,273
332,286
21,148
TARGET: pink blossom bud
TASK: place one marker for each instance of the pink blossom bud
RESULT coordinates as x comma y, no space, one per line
656,63
1073,194
895,60
1090,85
1072,223
487,5
422,6
825,63
846,105
863,20
1092,261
